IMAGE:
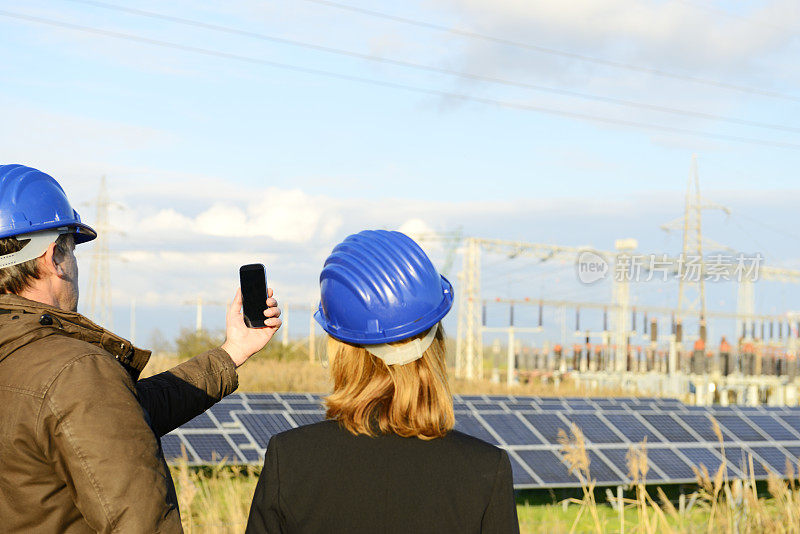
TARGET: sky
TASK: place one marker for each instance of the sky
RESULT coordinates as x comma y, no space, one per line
267,131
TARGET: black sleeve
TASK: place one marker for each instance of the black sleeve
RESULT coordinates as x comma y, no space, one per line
501,513
176,396
265,512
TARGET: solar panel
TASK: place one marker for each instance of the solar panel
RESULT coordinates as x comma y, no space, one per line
172,446
519,474
600,471
222,411
252,456
617,457
703,456
740,428
547,466
774,458
263,426
551,407
239,428
670,464
267,405
642,407
255,396
294,396
469,424
511,429
773,428
631,428
201,421
486,406
548,425
739,457
669,427
212,447
239,438
794,451
519,406
702,425
792,420
580,405
594,429
305,405
308,418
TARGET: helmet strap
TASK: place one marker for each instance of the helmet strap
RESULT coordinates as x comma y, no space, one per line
401,354
36,246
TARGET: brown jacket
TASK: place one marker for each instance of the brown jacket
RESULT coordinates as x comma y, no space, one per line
79,433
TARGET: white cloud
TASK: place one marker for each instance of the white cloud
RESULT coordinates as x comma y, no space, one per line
289,216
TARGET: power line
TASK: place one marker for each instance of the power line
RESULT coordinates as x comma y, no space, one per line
394,85
439,70
555,52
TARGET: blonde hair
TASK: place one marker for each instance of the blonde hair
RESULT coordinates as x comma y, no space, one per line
370,397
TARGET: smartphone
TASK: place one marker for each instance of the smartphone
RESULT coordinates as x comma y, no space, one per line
253,280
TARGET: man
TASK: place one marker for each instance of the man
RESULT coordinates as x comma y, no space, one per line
79,433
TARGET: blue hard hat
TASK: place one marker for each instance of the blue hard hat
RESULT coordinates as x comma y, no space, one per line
379,286
31,200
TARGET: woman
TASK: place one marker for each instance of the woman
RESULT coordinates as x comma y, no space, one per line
387,459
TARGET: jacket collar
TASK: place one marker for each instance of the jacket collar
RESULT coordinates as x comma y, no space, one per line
73,324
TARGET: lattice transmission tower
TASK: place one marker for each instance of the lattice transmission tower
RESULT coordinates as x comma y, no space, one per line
99,297
691,268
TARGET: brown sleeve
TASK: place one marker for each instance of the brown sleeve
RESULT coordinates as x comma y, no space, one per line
176,396
94,432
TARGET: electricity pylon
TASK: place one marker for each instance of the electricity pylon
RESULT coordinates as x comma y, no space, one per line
691,265
100,283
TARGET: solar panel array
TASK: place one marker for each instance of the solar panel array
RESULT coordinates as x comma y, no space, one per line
679,437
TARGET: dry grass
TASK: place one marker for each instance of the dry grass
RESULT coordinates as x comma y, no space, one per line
295,373
719,505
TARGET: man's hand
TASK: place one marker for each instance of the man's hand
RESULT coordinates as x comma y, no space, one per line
242,342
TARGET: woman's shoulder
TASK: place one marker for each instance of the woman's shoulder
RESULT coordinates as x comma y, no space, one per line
473,446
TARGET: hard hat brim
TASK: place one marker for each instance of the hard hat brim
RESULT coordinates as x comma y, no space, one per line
398,333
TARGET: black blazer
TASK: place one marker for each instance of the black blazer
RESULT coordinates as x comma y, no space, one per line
321,478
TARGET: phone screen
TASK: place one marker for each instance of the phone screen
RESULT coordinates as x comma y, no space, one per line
253,280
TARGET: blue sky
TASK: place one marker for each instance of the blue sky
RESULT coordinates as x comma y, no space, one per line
217,161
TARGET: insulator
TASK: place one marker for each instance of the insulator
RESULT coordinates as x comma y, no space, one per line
762,329
540,314
577,319
653,330
644,326
678,331
771,330
511,315
633,320
605,319
780,330
483,315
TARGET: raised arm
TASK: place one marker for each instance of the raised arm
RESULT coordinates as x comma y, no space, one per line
176,396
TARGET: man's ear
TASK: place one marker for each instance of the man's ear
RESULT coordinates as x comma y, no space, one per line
51,261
